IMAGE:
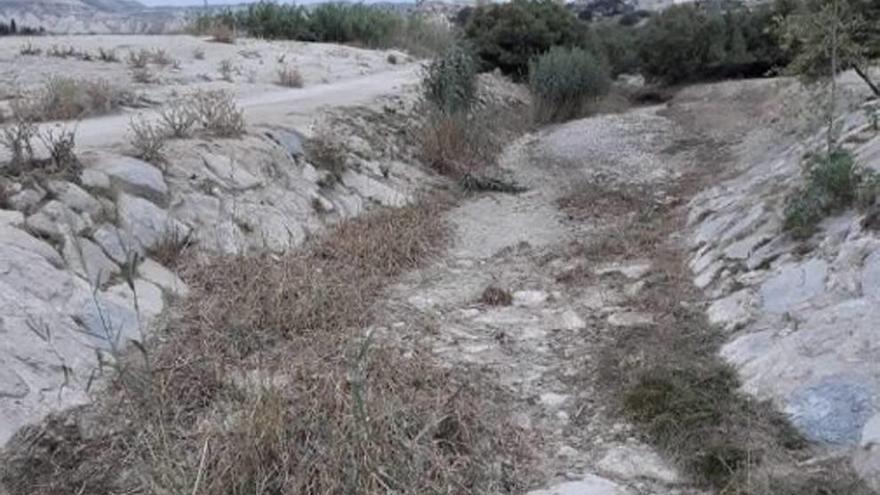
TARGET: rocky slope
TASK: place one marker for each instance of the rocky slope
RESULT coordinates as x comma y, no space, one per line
91,16
802,317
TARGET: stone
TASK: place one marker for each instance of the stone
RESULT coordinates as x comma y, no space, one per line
107,236
229,173
55,220
94,179
26,200
11,384
552,399
21,241
630,319
372,189
529,298
153,272
733,311
793,285
150,301
144,222
708,275
870,276
632,271
871,432
134,177
12,218
833,411
289,139
866,460
589,485
108,321
631,462
75,197
88,260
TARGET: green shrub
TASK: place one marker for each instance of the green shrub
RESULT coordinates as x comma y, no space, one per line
450,81
834,182
620,45
688,43
354,23
563,80
509,35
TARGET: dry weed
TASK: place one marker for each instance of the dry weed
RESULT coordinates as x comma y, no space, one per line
226,70
325,152
289,77
221,33
217,112
29,50
139,59
179,119
496,296
148,139
65,98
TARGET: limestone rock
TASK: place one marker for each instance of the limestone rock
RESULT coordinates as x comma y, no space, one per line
793,285
146,223
632,462
733,311
107,236
55,220
12,218
27,200
87,259
633,271
630,319
134,177
18,241
229,173
75,197
153,272
529,298
590,485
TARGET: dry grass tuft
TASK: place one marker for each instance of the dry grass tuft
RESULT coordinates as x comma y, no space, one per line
267,385
147,139
29,50
325,152
496,296
221,33
65,98
170,249
217,112
290,77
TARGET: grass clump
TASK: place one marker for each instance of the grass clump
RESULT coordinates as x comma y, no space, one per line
65,98
449,83
148,140
327,153
563,80
833,182
290,77
496,296
217,112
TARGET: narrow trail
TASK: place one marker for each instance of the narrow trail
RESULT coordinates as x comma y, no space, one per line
541,351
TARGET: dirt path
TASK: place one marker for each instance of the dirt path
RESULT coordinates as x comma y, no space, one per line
293,108
541,350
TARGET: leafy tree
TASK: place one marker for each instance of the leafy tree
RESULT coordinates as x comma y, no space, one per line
509,35
830,36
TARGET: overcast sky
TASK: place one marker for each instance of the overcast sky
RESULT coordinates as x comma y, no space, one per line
200,2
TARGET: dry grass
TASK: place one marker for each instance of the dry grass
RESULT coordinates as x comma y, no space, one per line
139,59
29,50
455,145
267,385
178,119
290,77
325,152
171,248
65,98
107,55
667,377
221,33
148,139
226,70
199,53
217,113
496,296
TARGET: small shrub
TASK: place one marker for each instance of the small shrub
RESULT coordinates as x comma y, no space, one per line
833,182
226,69
143,75
30,50
61,144
139,59
160,57
217,112
424,37
449,83
455,145
65,98
17,137
353,23
563,80
178,119
326,153
105,55
290,77
59,52
392,59
222,33
148,140
199,54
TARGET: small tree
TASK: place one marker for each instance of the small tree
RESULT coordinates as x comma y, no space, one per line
831,35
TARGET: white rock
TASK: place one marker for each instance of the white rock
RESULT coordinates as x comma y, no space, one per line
134,177
150,301
55,220
229,173
12,218
794,284
145,222
630,319
87,259
94,179
632,462
107,236
590,485
19,240
75,197
733,311
552,399
530,298
153,272
633,271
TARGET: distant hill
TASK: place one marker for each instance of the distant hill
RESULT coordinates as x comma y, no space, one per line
92,16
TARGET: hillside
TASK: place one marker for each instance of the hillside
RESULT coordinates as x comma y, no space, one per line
91,16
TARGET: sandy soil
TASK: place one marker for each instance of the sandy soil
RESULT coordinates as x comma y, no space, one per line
254,63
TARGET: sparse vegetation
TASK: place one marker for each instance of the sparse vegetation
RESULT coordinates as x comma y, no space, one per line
148,139
178,119
326,153
139,59
30,50
563,81
17,137
496,296
217,112
272,387
106,55
143,75
61,143
65,98
833,182
290,77
226,69
199,54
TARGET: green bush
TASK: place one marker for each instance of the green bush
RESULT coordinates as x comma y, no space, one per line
354,23
619,43
834,182
450,81
563,80
509,35
688,42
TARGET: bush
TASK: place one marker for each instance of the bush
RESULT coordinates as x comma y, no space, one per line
509,35
290,77
353,23
450,81
65,98
619,44
148,140
563,80
834,182
217,112
424,37
688,43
